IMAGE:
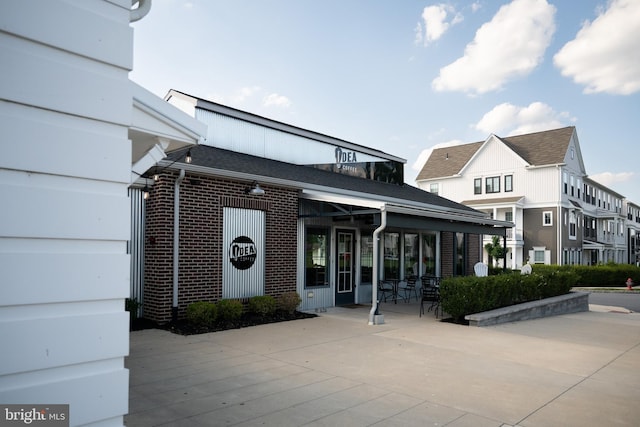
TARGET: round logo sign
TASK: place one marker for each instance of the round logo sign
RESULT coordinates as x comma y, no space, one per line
242,252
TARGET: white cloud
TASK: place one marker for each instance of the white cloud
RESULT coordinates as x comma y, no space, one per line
608,178
508,119
475,6
244,93
511,45
605,55
437,20
424,154
275,100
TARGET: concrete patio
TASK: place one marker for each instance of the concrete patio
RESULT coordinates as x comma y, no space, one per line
579,369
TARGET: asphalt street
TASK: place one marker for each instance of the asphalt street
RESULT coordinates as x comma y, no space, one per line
628,300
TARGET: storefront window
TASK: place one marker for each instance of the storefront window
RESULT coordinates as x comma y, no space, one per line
429,254
460,250
391,255
411,254
366,258
317,257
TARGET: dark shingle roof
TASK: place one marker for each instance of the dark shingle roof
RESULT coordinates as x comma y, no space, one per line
297,175
448,161
539,148
542,148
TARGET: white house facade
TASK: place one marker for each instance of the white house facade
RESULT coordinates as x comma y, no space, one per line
539,182
74,131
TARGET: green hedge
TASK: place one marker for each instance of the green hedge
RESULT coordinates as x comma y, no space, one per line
289,301
229,309
202,313
470,294
598,276
262,305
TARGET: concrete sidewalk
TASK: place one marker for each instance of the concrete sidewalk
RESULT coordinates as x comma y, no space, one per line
334,370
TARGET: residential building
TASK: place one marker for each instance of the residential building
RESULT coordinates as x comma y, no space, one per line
539,182
632,224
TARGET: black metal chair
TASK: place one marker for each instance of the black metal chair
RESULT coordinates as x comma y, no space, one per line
430,294
410,287
385,287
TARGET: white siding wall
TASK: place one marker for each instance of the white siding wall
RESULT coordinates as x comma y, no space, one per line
540,186
64,171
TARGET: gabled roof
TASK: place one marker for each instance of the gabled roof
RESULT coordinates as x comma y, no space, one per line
217,161
542,148
448,161
537,149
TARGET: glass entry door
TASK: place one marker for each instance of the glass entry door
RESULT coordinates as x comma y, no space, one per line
345,286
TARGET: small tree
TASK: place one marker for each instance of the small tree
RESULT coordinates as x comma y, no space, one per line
495,249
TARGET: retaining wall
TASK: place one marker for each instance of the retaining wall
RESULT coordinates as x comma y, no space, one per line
572,302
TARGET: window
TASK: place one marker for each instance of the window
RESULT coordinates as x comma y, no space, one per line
411,254
538,256
508,183
492,185
572,185
391,256
477,186
366,257
573,219
429,242
508,216
564,180
460,251
316,257
547,218
433,188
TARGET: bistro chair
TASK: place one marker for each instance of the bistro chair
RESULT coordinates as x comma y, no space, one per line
410,287
431,296
385,287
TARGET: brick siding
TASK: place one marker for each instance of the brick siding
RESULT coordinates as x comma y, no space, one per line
202,199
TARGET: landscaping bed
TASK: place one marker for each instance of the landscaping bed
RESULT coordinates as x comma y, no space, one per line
203,317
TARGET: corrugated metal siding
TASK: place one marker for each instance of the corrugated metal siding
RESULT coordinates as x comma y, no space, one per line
238,281
135,246
238,135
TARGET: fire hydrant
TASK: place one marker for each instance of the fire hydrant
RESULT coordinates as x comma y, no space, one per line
629,284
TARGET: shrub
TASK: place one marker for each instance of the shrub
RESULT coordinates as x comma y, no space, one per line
607,275
289,302
229,309
262,305
132,305
202,313
470,294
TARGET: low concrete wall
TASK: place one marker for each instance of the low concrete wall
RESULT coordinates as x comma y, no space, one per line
569,303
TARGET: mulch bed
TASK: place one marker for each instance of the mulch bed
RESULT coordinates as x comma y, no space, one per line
183,327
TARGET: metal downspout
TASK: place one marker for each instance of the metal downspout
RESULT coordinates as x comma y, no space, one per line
141,11
176,243
374,285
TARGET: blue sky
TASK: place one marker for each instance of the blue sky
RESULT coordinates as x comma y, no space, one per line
406,76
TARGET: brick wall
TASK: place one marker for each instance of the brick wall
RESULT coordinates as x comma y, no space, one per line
202,199
446,253
447,258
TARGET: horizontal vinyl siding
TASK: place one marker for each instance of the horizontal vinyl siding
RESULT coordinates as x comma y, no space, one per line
83,139
60,81
64,222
